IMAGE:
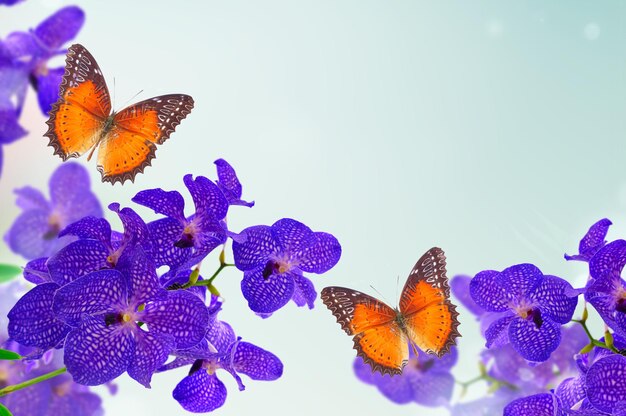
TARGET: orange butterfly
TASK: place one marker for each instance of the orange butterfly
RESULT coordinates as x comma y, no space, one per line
82,120
426,318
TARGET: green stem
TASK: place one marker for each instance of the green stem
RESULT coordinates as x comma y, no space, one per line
209,281
594,341
15,387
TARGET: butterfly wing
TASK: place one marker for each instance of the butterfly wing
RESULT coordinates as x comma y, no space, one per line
131,144
377,337
430,318
78,117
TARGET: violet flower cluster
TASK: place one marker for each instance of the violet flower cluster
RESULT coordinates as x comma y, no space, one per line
99,298
535,362
24,60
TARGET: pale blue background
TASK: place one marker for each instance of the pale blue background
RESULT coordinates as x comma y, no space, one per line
494,129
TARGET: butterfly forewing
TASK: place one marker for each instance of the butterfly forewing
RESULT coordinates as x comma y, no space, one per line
356,311
156,117
77,118
430,317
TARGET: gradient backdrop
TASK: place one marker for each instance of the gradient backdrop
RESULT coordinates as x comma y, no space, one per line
492,129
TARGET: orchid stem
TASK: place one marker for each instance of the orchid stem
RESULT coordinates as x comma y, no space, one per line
594,341
27,383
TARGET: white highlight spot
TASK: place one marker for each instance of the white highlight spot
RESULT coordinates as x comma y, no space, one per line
592,31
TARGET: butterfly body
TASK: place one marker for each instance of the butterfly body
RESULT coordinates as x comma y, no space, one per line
425,318
82,120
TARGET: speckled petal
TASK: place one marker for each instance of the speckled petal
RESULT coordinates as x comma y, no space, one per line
256,363
537,405
606,382
96,293
570,392
519,280
229,183
433,388
292,236
267,295
460,286
36,271
165,233
48,88
220,335
177,363
182,315
168,203
551,298
92,228
200,392
140,275
592,241
256,250
32,322
61,27
151,352
135,230
322,255
487,292
25,236
30,198
96,353
600,294
209,201
534,344
609,260
497,334
76,260
304,292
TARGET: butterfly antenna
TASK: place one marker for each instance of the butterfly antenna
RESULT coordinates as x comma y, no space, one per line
397,285
132,98
379,294
114,89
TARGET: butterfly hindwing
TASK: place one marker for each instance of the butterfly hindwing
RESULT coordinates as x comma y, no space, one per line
77,118
430,318
377,337
385,348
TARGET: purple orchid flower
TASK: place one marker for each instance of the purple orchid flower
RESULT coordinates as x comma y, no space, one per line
97,246
182,242
104,309
55,397
593,241
426,380
202,391
34,233
274,258
37,46
535,304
